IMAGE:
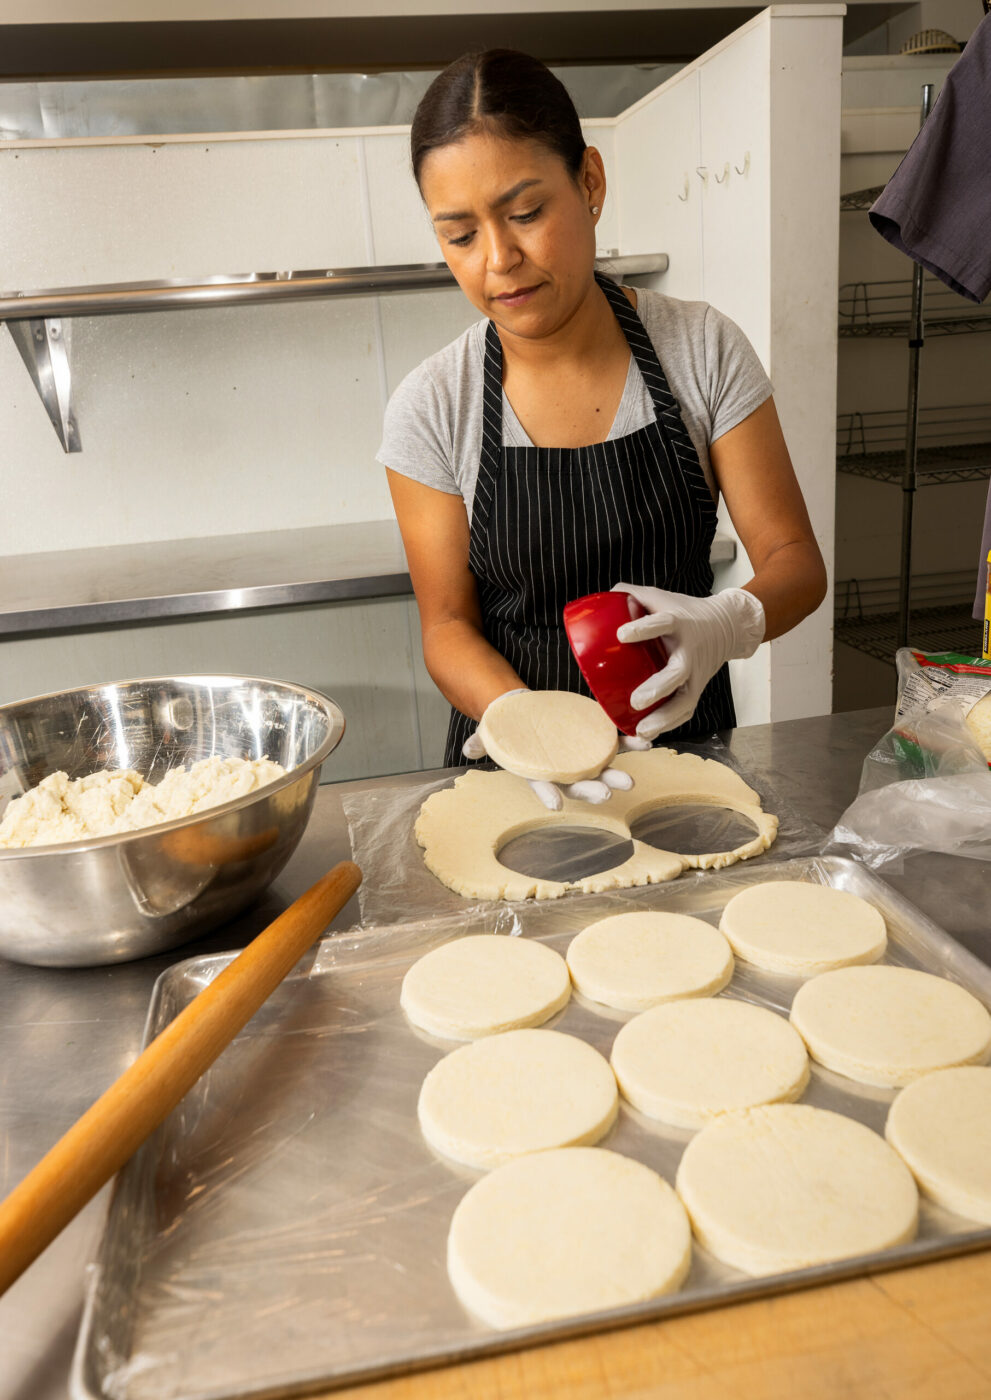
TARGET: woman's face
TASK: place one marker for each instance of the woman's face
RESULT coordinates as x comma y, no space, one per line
515,228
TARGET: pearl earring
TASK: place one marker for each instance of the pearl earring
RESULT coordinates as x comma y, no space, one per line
595,208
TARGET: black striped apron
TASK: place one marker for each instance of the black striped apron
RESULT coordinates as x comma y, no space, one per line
552,523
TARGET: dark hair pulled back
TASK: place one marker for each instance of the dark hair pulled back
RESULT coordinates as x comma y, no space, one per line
501,89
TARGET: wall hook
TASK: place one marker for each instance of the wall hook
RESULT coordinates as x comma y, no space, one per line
724,175
702,171
684,194
746,164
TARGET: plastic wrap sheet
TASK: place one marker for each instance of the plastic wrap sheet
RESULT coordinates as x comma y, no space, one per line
286,1228
380,824
925,785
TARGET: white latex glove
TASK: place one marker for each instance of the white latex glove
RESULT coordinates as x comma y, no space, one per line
699,635
552,795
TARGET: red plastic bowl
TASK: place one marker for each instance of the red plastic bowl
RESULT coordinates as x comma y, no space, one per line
612,668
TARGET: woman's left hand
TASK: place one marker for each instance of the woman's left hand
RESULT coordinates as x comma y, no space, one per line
552,795
700,634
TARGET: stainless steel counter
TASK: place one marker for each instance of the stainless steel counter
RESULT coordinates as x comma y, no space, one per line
65,1035
111,584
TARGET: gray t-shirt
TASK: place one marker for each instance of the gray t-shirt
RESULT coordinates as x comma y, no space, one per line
433,423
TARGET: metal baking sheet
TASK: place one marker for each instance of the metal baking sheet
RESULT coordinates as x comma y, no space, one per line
285,1230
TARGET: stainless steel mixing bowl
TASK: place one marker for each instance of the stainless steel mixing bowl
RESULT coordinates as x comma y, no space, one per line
118,897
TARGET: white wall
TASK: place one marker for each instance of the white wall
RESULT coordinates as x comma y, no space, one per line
736,159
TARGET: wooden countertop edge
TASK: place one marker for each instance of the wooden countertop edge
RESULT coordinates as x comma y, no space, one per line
914,1333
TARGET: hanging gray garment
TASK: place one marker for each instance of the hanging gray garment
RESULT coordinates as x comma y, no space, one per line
937,205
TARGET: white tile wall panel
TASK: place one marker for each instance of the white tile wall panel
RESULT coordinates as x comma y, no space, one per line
400,224
120,213
197,423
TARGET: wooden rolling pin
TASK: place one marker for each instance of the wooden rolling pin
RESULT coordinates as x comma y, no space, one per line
102,1140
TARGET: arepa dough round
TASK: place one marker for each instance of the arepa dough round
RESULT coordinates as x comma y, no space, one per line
787,1186
523,1091
889,1025
941,1126
688,1061
555,735
484,983
798,927
635,961
562,1233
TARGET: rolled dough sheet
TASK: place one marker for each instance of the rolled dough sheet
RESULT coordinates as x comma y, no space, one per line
462,828
689,1061
787,1186
635,961
941,1126
797,927
484,983
889,1025
563,1233
551,734
523,1091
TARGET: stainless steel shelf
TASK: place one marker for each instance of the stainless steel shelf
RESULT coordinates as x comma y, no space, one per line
884,309
935,465
953,443
117,584
35,318
949,627
242,289
860,199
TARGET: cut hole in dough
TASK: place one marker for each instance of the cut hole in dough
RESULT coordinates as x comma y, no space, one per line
555,735
485,983
691,829
524,1091
635,961
941,1126
563,1233
788,1186
462,828
795,926
889,1025
565,853
689,1061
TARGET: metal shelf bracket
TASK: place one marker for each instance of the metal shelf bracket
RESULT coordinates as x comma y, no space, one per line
44,348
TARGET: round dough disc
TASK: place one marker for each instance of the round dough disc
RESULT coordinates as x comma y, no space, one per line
524,1091
550,734
797,927
635,961
485,983
567,1232
941,1126
889,1025
787,1186
688,1061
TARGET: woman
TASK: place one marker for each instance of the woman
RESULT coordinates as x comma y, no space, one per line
578,437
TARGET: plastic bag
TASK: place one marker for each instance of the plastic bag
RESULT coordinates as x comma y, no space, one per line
380,825
925,786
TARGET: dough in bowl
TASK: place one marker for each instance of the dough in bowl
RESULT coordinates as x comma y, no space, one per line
551,734
562,1233
688,1061
635,961
523,1091
484,983
941,1126
889,1025
795,926
787,1186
